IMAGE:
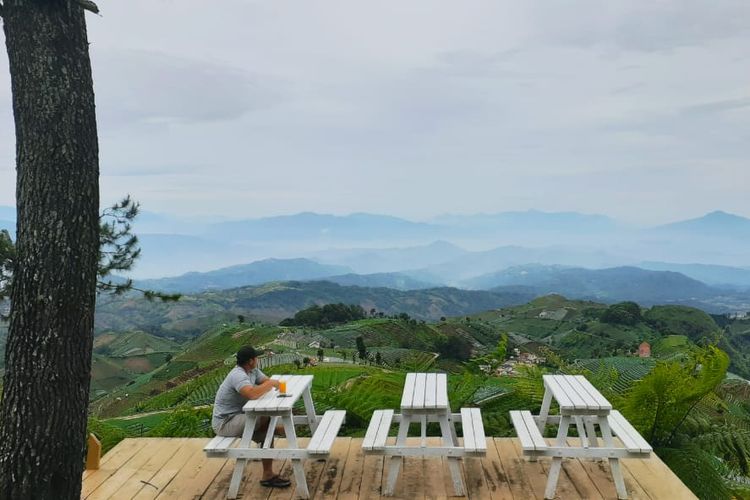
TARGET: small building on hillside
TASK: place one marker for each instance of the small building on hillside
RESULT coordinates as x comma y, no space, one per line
644,350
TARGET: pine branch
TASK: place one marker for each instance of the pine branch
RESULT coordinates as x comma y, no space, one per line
87,5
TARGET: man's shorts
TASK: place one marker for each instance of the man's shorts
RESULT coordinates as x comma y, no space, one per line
235,425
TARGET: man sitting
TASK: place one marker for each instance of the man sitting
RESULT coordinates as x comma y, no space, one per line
245,382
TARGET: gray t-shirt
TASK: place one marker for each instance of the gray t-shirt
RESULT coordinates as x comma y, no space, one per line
228,400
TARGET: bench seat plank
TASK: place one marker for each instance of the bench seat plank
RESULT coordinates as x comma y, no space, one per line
624,430
328,428
475,440
527,431
219,444
377,431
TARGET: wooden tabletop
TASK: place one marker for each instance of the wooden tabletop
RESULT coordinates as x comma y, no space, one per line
272,402
576,395
424,391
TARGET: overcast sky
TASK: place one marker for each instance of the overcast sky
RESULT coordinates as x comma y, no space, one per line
635,109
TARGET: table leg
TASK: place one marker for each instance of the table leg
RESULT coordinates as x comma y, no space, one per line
270,432
239,466
445,430
544,412
591,435
581,432
452,427
312,419
614,463
424,431
554,470
395,462
299,470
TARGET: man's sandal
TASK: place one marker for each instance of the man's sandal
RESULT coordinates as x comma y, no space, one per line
276,482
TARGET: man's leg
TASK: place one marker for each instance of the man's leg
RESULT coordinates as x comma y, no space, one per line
259,436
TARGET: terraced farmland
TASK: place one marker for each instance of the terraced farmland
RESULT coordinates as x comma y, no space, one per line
628,369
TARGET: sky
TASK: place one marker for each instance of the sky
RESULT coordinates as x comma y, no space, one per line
635,109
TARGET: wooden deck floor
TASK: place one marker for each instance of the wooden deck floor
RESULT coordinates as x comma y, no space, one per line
177,468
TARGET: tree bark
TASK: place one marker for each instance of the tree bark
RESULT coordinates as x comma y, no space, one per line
48,353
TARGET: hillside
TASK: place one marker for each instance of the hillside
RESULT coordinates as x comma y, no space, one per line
615,285
398,281
255,273
133,343
276,301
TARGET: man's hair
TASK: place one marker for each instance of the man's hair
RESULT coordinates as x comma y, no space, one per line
245,354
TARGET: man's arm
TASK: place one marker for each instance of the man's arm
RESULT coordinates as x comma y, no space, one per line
256,391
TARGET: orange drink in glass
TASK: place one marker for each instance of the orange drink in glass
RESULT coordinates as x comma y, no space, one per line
282,386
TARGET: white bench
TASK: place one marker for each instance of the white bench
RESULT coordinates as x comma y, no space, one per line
219,446
580,404
475,442
377,431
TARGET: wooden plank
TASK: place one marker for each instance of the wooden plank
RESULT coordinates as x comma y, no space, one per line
430,391
351,477
474,480
252,489
441,391
603,403
514,466
657,479
480,440
162,478
467,424
195,477
326,432
296,384
538,472
314,470
419,388
410,483
447,476
372,477
141,467
583,391
495,475
218,488
527,431
578,402
600,475
334,471
382,434
630,437
432,469
219,444
286,471
580,479
118,456
558,393
125,446
408,396
372,429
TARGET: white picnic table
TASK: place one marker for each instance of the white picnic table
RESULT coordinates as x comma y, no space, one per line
425,399
580,403
323,427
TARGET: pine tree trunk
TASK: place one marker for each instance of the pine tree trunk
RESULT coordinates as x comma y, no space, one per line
48,353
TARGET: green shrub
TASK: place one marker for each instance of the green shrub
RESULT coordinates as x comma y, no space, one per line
185,422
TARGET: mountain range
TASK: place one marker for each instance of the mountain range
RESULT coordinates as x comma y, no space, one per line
446,249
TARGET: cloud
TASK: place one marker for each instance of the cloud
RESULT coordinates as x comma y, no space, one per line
640,25
142,87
